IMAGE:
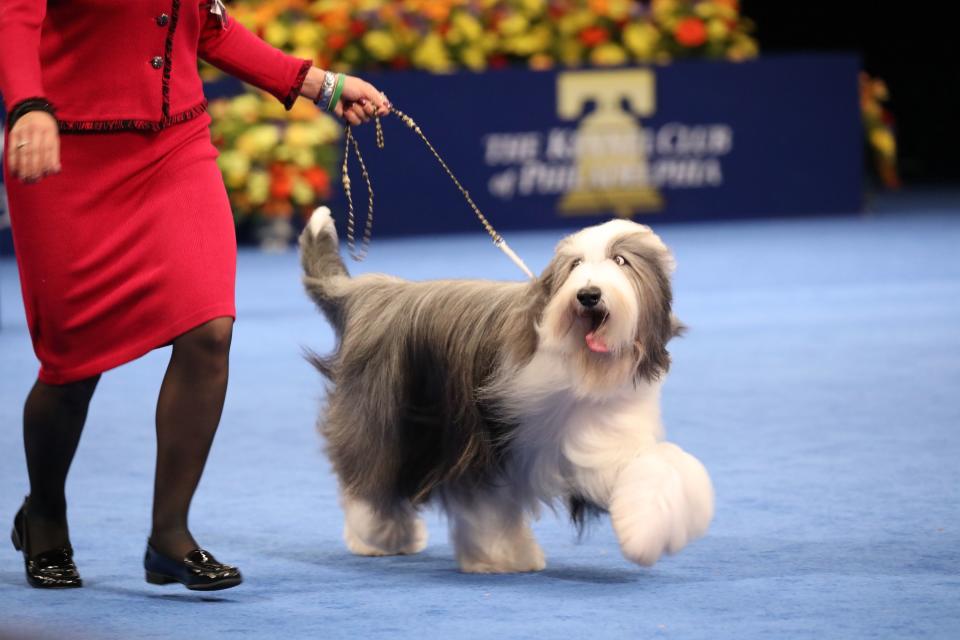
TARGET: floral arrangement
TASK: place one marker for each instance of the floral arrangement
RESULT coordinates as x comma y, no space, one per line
276,164
444,35
878,126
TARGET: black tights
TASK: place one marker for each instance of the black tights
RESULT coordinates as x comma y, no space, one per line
188,412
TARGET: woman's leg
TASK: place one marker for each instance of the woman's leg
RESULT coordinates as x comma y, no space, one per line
53,419
188,412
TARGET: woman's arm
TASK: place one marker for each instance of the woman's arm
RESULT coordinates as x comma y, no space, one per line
20,78
229,46
34,142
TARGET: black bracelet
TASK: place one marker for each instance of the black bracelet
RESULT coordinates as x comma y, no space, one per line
26,106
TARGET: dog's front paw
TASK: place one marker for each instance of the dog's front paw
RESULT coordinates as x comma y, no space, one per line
531,559
662,501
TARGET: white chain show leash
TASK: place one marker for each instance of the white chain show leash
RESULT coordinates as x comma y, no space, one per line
360,254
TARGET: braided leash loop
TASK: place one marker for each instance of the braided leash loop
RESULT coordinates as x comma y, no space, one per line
368,225
498,240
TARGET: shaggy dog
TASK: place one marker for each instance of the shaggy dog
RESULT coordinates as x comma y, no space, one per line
492,398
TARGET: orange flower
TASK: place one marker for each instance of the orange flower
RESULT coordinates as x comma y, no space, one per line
691,32
337,18
436,11
599,7
592,36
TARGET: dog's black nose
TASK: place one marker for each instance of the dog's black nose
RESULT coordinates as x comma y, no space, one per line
589,296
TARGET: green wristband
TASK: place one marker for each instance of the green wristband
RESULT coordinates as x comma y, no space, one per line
335,98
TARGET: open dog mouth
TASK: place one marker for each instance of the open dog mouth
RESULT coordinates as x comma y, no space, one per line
595,319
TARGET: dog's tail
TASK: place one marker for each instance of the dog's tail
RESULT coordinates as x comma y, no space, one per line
323,268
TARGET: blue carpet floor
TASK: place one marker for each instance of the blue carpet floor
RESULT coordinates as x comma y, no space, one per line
819,383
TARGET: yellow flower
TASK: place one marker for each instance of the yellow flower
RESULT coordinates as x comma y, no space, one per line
235,166
717,30
467,25
533,7
513,25
620,9
884,142
245,107
534,41
302,110
432,55
302,192
305,34
299,134
575,21
258,187
641,38
454,36
276,33
473,58
608,54
742,48
705,9
571,53
257,140
272,109
380,44
663,8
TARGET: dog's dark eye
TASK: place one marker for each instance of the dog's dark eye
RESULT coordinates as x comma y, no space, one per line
620,260
576,263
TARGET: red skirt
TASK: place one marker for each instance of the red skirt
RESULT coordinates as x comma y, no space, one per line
130,246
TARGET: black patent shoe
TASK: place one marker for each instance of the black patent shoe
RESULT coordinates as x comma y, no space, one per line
53,569
198,571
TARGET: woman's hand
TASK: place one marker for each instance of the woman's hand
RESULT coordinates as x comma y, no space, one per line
361,101
34,151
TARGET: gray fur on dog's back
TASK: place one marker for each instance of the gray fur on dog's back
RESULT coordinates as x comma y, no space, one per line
403,412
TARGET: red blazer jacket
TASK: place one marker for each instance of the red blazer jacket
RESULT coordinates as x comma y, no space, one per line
130,64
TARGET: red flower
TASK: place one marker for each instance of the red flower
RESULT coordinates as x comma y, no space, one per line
691,32
281,184
358,28
592,36
319,180
400,63
556,11
498,61
336,41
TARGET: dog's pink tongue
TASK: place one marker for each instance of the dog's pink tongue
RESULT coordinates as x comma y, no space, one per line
596,344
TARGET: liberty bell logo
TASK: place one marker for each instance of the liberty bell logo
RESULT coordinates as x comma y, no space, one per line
610,146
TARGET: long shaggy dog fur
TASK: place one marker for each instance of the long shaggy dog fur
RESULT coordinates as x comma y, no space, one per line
492,398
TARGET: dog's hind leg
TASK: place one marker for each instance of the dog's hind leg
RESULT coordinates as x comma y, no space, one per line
491,533
377,532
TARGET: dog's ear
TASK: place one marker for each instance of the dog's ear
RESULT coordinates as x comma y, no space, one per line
656,324
554,276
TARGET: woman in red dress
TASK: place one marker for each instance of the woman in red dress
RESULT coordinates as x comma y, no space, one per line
124,238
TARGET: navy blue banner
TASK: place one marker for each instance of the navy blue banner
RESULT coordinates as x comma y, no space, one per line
693,140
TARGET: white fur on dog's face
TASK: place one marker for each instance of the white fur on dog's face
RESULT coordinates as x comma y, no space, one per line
610,331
